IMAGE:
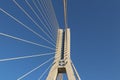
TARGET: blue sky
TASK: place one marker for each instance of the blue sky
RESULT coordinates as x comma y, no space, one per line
95,42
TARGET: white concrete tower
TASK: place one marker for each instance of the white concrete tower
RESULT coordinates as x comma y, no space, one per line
62,63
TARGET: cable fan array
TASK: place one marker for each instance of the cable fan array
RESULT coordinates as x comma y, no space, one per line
44,11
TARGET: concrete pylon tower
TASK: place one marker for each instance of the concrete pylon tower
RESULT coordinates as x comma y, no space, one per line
62,63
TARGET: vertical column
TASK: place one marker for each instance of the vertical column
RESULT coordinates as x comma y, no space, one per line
54,69
67,44
68,66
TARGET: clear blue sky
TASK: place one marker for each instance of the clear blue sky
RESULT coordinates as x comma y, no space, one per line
95,45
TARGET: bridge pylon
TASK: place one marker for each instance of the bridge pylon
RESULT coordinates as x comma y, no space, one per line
62,63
